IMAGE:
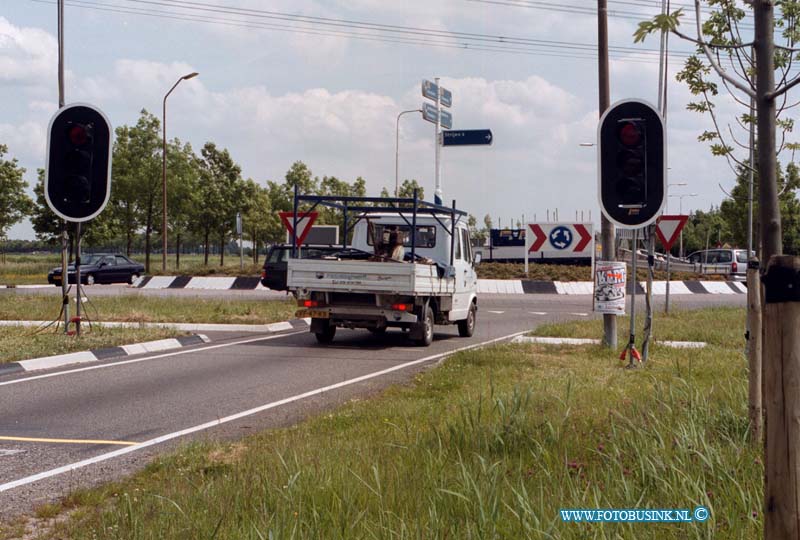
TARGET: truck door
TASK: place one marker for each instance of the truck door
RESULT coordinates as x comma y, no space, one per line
464,276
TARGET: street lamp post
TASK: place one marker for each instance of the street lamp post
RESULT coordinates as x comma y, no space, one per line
674,184
164,169
680,211
397,151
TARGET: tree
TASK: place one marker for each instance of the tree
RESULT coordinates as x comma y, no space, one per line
183,182
220,193
407,190
137,182
256,214
14,202
300,175
46,224
734,208
751,76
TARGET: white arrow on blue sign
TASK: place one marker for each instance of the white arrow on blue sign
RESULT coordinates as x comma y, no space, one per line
467,137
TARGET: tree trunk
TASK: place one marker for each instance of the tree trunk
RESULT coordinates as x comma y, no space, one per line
255,247
771,240
205,247
148,231
178,251
222,248
128,231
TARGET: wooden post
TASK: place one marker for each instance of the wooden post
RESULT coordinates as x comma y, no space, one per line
754,350
782,398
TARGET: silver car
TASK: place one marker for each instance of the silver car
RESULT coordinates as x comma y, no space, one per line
735,258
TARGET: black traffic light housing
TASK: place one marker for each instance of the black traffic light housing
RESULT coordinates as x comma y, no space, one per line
632,164
77,182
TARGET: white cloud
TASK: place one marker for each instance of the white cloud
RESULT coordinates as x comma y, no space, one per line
27,55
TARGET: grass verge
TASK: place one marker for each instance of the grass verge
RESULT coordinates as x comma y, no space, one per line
136,308
489,445
19,343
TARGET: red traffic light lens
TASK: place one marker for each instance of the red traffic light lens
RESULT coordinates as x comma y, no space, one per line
78,135
630,135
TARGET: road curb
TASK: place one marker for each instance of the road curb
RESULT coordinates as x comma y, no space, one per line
485,286
80,357
186,327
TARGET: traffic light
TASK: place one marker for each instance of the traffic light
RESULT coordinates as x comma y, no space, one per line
77,180
632,152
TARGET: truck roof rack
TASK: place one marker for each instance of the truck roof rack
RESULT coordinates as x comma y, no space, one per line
363,206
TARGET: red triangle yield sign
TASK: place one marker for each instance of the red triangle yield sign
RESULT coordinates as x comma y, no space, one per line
668,228
304,221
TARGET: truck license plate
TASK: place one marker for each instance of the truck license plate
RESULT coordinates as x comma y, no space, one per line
313,313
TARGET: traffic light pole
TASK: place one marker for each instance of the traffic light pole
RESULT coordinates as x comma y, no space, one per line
606,227
79,296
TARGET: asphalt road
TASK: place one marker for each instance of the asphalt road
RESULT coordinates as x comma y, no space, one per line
119,415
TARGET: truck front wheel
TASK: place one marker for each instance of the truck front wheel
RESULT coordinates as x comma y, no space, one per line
467,327
323,330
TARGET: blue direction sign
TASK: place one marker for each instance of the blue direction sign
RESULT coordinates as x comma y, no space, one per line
429,114
447,119
467,137
430,89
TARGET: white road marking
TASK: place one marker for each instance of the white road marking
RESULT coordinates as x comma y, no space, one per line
5,452
580,314
538,312
174,435
146,358
496,312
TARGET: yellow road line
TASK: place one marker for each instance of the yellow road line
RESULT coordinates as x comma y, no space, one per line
66,441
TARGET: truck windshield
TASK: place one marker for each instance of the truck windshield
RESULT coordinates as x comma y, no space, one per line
426,234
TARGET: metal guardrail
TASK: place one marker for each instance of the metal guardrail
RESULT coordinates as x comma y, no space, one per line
676,266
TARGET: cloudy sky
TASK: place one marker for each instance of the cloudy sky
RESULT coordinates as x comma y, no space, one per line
314,80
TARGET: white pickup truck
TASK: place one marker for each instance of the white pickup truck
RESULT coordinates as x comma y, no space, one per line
358,288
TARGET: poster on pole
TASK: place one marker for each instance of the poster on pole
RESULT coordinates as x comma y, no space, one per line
609,287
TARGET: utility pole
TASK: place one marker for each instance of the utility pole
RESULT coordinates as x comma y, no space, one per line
64,233
606,227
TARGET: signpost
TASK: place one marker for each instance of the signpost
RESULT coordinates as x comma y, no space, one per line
467,137
443,98
668,229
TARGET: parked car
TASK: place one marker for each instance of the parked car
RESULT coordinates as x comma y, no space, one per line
735,258
100,268
273,275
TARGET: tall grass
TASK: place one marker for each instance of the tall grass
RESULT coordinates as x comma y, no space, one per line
489,445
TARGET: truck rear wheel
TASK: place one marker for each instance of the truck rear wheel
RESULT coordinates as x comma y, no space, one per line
323,330
467,327
424,329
